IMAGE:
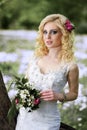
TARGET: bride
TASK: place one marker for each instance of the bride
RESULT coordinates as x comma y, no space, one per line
51,67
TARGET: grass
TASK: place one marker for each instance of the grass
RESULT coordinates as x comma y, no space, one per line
83,81
84,62
9,68
11,45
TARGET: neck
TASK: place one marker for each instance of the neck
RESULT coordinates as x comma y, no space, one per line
54,52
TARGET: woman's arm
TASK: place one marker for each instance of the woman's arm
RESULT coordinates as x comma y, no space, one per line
72,79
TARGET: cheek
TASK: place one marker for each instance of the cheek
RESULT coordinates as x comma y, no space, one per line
44,38
59,38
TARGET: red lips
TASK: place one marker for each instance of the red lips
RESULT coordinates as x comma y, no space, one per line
48,42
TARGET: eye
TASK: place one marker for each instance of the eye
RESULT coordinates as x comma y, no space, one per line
53,31
44,32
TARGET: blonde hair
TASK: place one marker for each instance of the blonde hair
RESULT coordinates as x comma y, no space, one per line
66,53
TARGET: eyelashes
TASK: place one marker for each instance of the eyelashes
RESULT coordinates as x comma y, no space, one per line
51,32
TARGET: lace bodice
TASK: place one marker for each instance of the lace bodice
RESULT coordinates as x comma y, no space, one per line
55,80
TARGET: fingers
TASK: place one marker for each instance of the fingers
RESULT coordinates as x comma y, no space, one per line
47,95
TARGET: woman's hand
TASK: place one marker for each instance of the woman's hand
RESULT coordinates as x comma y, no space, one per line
49,95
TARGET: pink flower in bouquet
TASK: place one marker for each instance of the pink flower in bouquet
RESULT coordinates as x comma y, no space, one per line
16,101
27,97
37,101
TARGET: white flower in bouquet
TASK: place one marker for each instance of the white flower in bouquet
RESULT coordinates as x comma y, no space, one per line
27,97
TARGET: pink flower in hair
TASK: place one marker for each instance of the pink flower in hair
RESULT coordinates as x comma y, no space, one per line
69,26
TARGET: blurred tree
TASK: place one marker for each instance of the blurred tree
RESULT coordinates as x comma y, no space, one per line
9,12
28,14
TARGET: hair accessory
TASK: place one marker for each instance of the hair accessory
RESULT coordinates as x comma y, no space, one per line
69,26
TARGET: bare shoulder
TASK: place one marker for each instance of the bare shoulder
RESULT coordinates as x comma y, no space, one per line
74,67
74,70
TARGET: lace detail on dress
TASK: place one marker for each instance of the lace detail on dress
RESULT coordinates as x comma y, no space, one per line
55,80
47,117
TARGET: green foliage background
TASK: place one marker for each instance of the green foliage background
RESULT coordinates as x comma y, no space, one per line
27,14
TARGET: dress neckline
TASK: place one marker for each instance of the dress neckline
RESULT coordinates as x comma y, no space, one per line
39,69
50,71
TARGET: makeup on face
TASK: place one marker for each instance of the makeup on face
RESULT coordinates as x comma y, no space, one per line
51,32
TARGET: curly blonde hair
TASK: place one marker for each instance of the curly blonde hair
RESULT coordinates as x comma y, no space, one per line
66,53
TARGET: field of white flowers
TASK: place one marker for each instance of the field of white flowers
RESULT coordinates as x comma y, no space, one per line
21,54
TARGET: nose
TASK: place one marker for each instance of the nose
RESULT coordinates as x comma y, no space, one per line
48,35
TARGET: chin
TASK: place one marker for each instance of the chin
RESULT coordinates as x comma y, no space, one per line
49,47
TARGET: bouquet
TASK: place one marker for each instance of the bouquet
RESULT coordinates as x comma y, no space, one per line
27,97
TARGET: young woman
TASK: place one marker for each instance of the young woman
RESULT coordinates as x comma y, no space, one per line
51,67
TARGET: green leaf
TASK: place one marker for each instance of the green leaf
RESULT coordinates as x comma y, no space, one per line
12,111
16,77
24,80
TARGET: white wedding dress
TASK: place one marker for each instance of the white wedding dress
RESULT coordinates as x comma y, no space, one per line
47,117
